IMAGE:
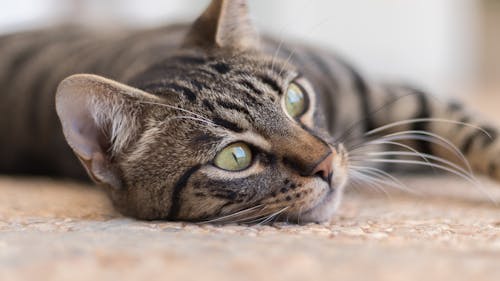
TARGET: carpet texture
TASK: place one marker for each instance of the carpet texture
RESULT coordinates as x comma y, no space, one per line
449,230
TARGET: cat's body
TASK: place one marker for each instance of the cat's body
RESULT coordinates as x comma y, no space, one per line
32,64
152,145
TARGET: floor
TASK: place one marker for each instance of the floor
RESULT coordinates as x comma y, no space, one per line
448,230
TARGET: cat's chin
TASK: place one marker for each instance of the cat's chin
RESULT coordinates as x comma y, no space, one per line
326,208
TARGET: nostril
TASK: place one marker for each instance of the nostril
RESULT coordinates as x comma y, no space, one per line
323,175
324,169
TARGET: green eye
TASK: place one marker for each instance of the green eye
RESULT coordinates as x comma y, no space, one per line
234,157
295,100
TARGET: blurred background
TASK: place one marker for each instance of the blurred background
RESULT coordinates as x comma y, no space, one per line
451,47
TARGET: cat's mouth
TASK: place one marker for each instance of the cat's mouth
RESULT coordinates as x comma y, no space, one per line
327,198
325,208
328,202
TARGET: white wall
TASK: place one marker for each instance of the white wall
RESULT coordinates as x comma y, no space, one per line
427,42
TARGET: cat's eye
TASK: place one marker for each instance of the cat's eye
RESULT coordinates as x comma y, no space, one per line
295,100
234,157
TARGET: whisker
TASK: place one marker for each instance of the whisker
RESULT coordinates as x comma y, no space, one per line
421,120
177,108
300,213
278,49
420,163
369,181
429,137
347,133
272,216
427,156
290,56
372,170
195,119
400,145
232,215
470,179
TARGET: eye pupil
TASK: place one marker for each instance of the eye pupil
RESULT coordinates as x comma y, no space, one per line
234,157
295,100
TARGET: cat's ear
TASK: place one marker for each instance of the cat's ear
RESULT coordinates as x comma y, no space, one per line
224,24
99,118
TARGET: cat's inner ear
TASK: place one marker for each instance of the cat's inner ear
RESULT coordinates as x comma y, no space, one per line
99,118
224,24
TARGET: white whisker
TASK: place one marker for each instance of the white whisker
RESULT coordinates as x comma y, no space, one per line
292,53
427,156
233,215
369,181
424,136
422,120
272,216
195,119
403,146
374,171
177,108
476,183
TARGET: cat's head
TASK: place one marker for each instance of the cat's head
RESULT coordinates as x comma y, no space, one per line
218,129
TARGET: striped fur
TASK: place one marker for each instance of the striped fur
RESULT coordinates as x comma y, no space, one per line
192,91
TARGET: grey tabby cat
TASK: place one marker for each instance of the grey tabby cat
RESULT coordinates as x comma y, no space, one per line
211,122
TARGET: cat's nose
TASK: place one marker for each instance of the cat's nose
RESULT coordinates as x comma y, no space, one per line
324,168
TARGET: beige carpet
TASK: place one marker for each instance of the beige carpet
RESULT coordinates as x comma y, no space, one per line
63,231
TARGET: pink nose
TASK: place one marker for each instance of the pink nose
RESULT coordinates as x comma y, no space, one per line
324,169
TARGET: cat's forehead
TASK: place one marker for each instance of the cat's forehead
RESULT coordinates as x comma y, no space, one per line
239,92
194,77
220,67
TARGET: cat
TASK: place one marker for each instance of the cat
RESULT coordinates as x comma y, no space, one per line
212,122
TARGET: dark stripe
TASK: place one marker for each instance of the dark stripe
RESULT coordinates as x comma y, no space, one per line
493,134
467,144
232,106
158,87
206,72
362,90
227,124
199,85
230,195
204,139
178,188
492,169
251,87
486,140
221,67
252,100
36,92
22,58
324,69
330,87
208,105
271,83
424,112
